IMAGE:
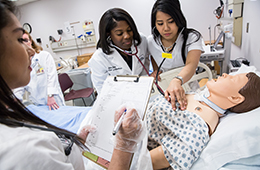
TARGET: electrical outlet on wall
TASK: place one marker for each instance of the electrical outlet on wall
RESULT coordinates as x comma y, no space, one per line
247,27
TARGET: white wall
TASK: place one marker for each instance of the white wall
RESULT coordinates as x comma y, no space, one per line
47,16
250,48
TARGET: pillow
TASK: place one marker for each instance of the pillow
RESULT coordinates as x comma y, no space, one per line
236,138
251,163
245,69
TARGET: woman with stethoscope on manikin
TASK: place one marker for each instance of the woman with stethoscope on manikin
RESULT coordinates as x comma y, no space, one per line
121,50
173,45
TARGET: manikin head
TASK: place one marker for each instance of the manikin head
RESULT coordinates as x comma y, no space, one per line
238,93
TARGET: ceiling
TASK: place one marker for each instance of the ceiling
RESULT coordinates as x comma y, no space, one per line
23,2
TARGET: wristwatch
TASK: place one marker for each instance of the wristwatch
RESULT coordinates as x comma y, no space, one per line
50,95
180,78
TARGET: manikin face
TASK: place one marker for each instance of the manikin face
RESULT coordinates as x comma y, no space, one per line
15,61
27,40
122,35
166,26
227,85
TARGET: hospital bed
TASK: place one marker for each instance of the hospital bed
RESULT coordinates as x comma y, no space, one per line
166,78
234,144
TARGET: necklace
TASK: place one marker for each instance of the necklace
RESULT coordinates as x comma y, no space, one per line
167,49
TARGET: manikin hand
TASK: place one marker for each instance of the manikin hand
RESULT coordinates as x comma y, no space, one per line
131,132
176,92
52,103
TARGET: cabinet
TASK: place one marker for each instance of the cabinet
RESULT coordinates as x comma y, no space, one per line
82,59
237,14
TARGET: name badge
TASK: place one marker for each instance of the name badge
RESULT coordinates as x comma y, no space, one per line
167,55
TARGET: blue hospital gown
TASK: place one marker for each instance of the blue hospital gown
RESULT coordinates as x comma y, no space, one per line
182,134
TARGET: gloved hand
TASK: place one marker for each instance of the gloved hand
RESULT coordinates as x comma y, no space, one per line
131,132
84,132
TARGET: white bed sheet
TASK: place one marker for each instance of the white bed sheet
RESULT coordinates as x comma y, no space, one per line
66,117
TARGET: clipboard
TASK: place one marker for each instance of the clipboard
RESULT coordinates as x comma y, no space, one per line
115,92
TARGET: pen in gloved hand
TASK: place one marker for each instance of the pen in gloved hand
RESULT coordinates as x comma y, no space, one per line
118,124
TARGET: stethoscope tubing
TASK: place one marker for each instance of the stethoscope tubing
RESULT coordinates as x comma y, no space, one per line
156,77
135,54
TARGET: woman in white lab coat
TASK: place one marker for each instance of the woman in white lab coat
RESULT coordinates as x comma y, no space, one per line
176,44
26,141
121,50
44,87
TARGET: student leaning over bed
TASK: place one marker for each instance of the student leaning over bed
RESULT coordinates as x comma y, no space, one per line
182,45
177,138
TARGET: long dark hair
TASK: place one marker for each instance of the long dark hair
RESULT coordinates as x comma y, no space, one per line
10,107
173,8
109,21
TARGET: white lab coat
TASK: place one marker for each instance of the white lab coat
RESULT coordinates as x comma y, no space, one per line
103,65
42,84
30,149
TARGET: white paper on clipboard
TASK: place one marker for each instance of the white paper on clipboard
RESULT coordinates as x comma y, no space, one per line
114,93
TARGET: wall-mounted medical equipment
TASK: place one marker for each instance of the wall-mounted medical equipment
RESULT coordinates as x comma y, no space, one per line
72,44
85,39
218,12
39,40
89,31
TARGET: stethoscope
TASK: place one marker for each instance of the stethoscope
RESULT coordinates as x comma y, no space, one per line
171,49
69,140
133,54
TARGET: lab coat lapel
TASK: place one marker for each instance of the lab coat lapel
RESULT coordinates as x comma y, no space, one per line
117,59
135,65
